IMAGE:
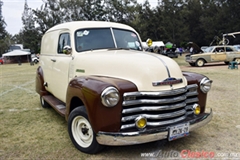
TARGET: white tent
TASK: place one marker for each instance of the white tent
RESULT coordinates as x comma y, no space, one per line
154,43
16,53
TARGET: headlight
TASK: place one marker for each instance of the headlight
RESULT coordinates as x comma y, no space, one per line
110,97
205,85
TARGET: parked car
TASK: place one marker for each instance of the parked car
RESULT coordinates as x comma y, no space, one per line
35,59
112,92
214,54
1,60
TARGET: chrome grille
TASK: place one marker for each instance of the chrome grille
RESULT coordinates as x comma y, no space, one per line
159,108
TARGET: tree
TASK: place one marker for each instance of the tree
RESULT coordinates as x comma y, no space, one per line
49,15
29,34
4,36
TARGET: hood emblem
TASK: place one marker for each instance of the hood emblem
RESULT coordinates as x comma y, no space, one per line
168,81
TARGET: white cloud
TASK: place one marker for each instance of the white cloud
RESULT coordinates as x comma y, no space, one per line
12,13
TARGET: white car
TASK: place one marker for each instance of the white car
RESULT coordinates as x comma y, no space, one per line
35,59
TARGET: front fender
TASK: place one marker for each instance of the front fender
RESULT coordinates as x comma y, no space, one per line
89,90
39,82
195,78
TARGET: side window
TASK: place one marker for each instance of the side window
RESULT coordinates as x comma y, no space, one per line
219,49
228,49
64,40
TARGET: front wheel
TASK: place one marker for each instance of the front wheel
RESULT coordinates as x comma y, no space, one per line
237,60
35,61
81,132
200,63
192,64
44,104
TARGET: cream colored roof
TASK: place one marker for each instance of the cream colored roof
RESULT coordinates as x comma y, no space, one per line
74,25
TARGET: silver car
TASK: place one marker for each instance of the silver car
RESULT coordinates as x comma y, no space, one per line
213,54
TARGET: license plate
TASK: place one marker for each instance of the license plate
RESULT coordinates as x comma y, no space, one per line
178,131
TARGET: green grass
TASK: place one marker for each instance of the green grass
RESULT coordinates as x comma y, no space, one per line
30,132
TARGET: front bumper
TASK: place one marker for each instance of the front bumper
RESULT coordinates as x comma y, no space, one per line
189,59
138,137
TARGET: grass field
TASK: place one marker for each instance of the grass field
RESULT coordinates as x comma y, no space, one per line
30,132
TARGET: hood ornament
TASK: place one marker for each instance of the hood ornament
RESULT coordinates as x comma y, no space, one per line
168,81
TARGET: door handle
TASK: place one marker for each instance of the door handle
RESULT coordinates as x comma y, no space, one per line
54,60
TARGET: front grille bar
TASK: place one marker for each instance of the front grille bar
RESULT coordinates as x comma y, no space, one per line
159,108
156,116
154,108
150,101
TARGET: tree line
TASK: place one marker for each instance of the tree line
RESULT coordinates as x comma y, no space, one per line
176,21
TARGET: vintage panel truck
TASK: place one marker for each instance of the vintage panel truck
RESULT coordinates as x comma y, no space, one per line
112,92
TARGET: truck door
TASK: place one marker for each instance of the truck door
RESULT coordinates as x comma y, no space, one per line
60,68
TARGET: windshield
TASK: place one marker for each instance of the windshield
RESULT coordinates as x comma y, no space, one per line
106,38
208,49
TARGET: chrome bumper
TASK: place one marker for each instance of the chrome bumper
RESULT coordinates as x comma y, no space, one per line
138,137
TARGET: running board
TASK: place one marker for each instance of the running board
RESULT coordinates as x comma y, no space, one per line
58,105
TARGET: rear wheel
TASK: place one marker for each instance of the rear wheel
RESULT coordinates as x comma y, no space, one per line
200,62
237,60
81,132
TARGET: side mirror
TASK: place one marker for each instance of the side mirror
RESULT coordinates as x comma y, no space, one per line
149,42
67,50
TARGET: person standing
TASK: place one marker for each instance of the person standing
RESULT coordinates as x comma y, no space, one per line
191,50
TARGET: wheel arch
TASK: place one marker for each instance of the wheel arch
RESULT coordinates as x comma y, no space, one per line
39,82
74,103
87,91
205,61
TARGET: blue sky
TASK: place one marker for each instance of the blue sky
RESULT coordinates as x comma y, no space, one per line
12,12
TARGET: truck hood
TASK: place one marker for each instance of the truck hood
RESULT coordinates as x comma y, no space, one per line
146,70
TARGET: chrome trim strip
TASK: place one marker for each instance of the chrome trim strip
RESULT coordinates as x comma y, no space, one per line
195,93
156,94
155,124
163,62
155,108
138,137
192,86
158,101
191,100
158,116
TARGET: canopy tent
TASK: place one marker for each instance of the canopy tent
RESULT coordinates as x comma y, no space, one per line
16,53
16,56
169,45
154,43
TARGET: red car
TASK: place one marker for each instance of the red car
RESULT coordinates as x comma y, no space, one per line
1,60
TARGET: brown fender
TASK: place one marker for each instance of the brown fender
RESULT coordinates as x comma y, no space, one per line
39,82
195,78
88,90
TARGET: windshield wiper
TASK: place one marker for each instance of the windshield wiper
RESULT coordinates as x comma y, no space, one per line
119,49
